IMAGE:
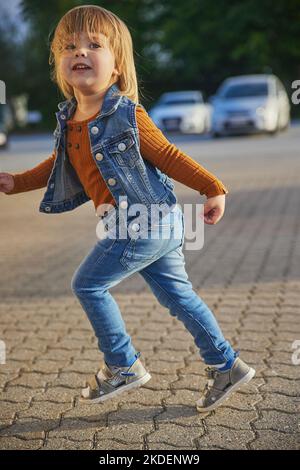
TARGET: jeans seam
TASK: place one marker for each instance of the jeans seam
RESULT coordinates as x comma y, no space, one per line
173,301
106,252
129,247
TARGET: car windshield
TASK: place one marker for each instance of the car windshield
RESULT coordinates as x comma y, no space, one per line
174,101
246,90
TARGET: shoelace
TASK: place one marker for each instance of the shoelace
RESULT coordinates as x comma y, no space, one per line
124,373
211,372
116,371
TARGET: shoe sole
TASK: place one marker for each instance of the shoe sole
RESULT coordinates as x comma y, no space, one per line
225,397
118,391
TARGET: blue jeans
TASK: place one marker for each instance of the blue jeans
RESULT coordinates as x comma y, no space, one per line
161,263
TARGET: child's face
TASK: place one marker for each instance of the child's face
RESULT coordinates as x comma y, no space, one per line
98,58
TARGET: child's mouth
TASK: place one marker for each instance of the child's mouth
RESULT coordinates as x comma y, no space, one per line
81,68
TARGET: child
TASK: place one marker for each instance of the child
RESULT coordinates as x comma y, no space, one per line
108,150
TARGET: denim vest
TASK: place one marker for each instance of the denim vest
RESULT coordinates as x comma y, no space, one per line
115,148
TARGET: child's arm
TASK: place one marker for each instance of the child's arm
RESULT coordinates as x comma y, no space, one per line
32,179
156,148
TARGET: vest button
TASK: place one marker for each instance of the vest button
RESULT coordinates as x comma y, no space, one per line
79,128
99,157
69,144
47,208
121,146
111,181
94,130
62,116
123,204
135,227
52,185
77,146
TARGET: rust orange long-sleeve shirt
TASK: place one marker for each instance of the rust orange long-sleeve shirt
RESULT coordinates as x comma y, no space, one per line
154,147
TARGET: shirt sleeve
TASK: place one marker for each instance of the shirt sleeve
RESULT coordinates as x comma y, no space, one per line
156,148
35,178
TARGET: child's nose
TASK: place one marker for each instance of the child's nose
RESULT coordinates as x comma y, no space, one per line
80,52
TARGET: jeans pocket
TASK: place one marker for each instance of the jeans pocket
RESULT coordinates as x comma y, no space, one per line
105,245
147,247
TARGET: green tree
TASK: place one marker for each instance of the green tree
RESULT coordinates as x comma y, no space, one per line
177,45
208,41
42,21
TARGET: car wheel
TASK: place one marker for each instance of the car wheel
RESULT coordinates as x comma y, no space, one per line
215,135
4,146
206,127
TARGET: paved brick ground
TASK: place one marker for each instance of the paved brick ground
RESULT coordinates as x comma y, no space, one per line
248,272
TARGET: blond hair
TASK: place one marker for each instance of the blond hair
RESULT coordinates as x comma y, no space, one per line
92,19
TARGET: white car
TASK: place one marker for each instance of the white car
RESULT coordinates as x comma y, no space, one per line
250,103
6,124
182,111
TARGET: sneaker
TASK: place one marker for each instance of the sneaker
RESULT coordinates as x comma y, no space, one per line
111,381
221,384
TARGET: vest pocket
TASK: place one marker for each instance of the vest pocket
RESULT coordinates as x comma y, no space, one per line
124,152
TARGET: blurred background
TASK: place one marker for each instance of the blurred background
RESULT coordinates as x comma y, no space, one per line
191,47
220,79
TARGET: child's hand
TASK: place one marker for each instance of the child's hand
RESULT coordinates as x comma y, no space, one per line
6,182
214,209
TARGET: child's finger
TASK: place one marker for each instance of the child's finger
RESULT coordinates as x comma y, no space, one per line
208,219
211,217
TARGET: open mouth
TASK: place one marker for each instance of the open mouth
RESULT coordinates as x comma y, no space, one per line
81,66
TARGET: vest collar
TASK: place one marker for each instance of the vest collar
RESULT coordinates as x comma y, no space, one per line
110,103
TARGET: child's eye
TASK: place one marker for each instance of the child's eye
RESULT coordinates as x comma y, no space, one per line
94,45
70,46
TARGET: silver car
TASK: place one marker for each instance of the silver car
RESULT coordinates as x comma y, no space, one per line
6,124
250,103
182,111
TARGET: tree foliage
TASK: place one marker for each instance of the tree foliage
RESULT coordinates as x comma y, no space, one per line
177,45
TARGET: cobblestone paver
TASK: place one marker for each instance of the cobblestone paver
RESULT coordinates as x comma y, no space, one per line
248,272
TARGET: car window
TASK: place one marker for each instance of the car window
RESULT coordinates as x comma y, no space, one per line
245,90
177,101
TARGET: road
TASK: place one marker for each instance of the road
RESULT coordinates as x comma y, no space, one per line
248,272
